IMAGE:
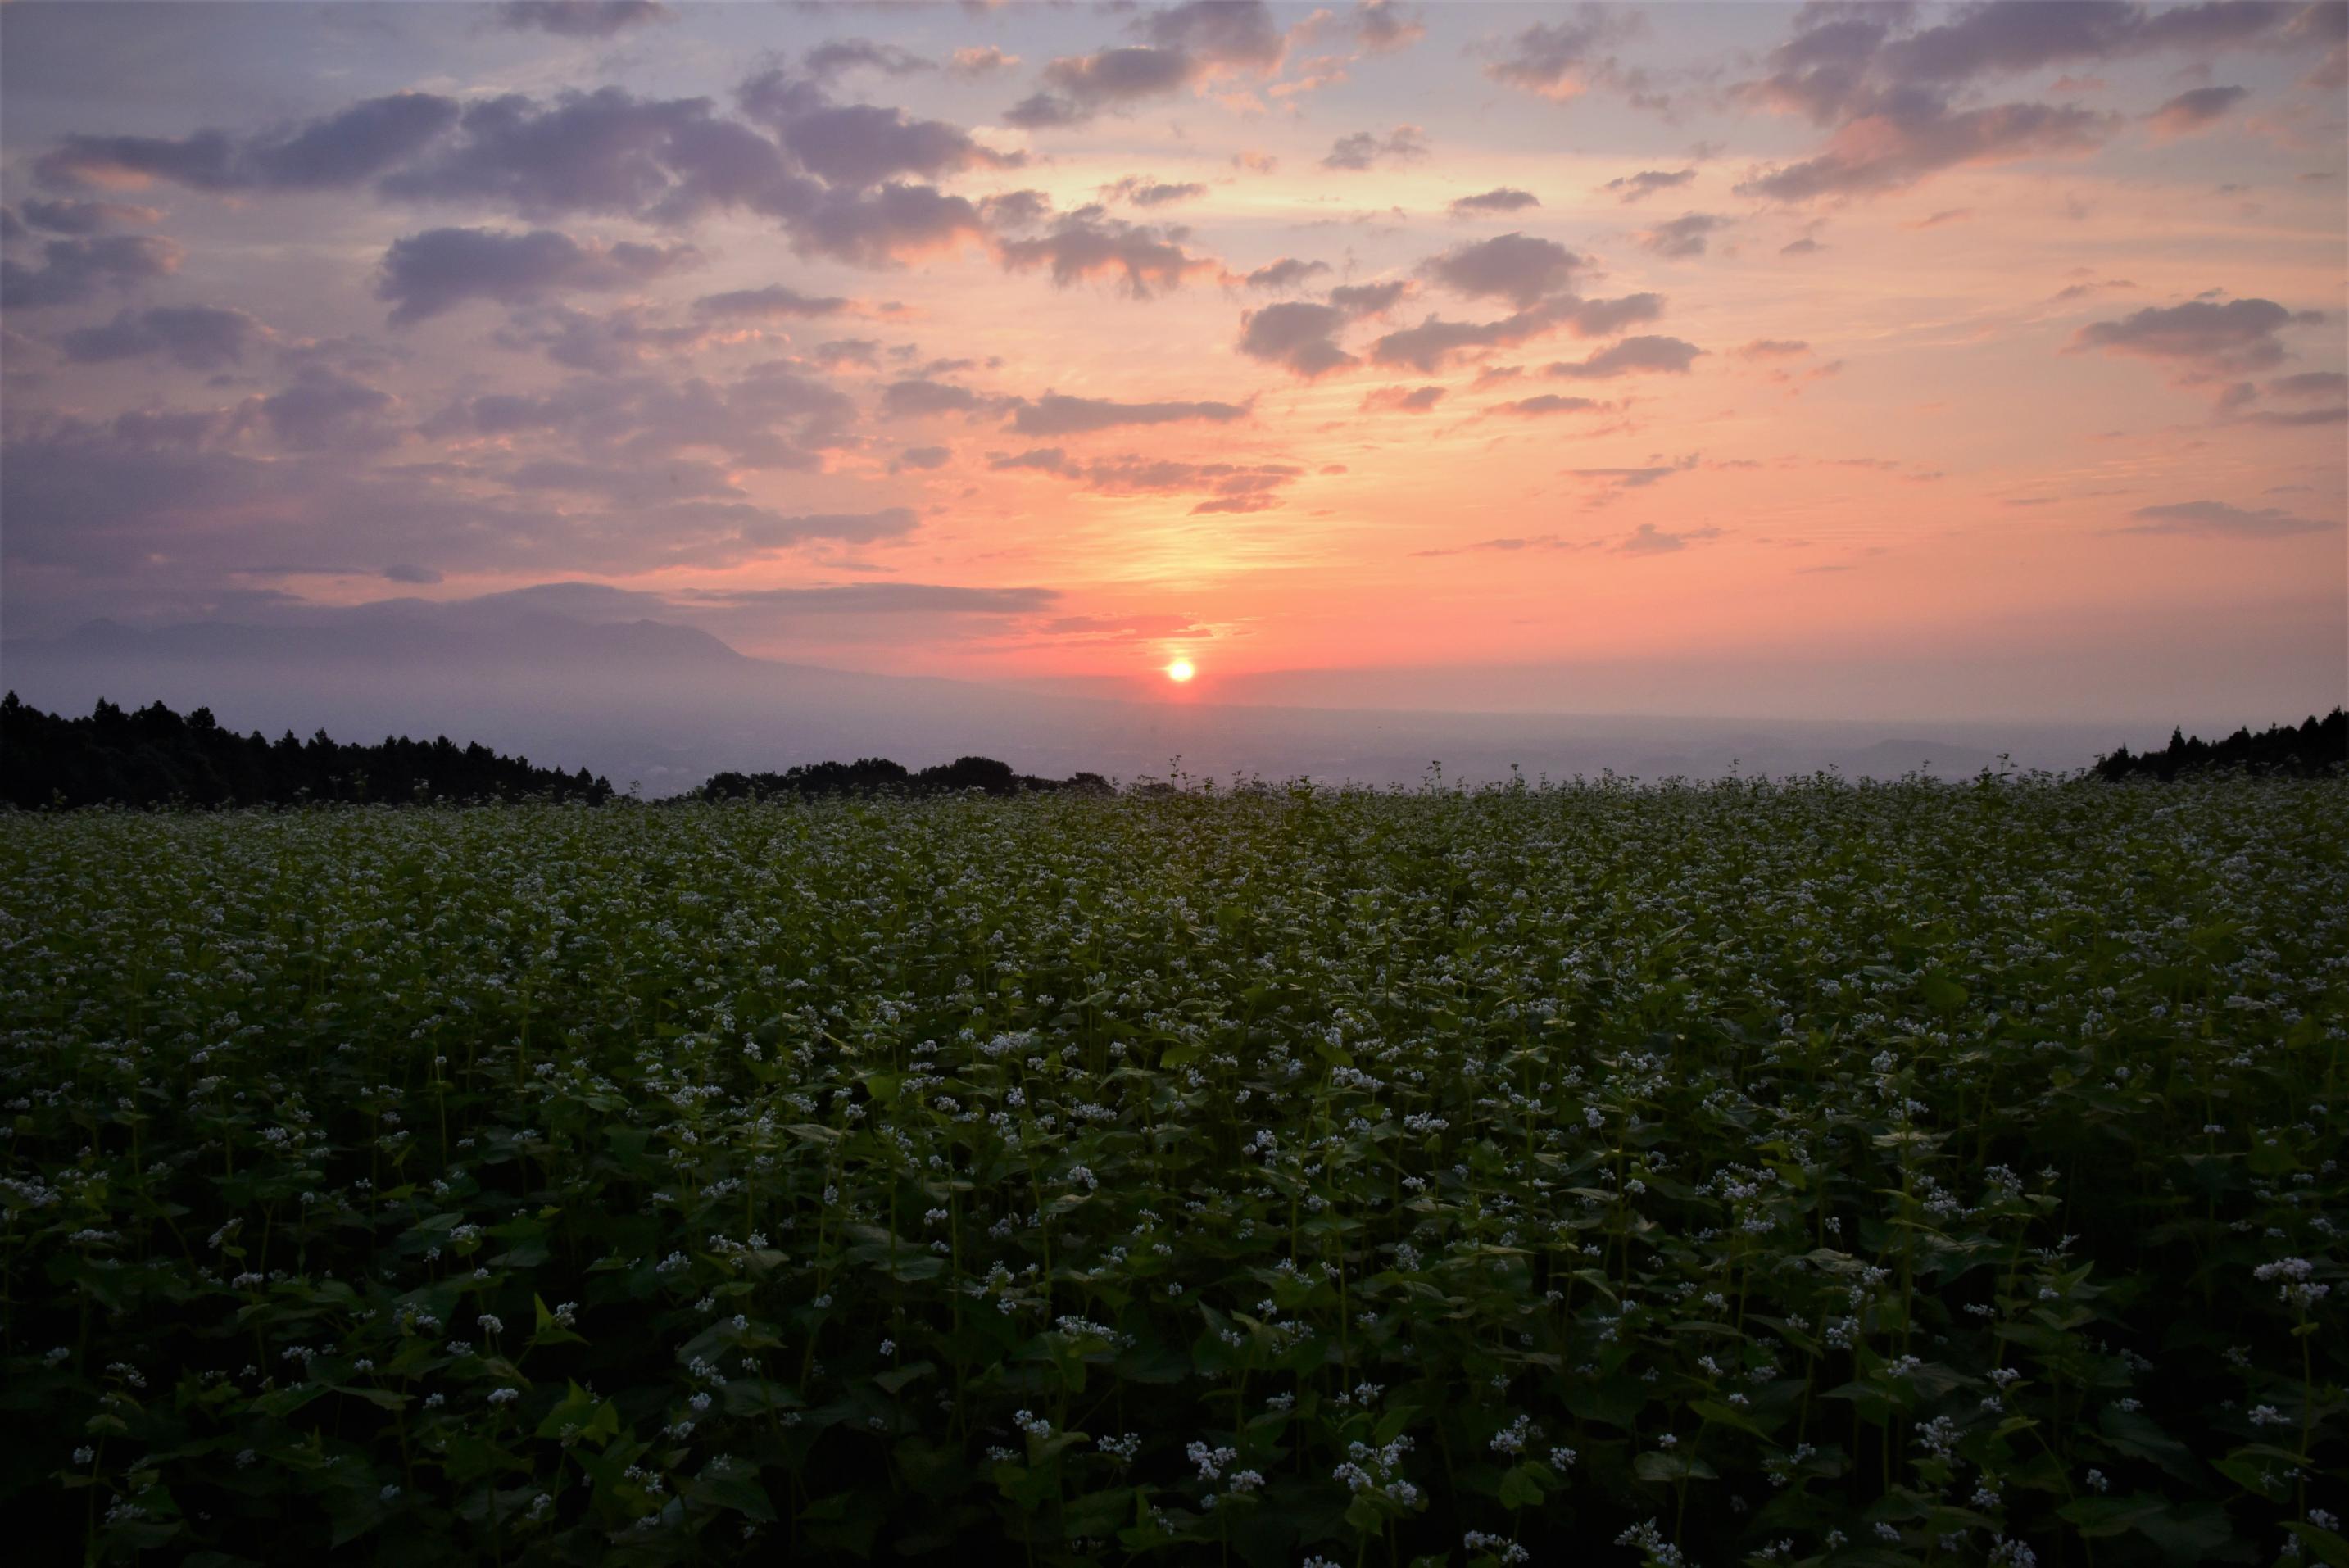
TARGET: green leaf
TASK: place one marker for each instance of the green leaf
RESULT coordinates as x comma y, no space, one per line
1520,1490
1942,993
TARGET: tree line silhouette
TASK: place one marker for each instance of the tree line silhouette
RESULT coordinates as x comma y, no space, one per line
2299,751
152,755
878,775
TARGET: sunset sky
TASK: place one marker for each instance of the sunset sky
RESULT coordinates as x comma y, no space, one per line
1478,355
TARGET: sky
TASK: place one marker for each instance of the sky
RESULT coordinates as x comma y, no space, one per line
1849,360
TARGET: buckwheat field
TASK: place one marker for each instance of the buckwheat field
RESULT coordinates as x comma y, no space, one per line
1738,1173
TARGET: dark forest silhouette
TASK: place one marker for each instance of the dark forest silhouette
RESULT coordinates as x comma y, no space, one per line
2302,750
878,775
152,755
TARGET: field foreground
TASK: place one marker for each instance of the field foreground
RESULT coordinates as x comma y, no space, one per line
1787,1172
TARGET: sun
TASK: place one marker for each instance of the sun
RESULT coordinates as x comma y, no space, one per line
1180,671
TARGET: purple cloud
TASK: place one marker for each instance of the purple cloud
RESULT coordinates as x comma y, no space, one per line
1363,150
2195,110
1285,273
1143,259
2205,336
1631,356
775,302
2216,520
1647,182
1516,268
1300,336
73,272
1501,199
428,273
581,18
197,338
1683,236
1055,415
1434,342
337,151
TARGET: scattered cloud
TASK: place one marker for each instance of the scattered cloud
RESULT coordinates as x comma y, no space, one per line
1147,191
1615,481
1182,46
66,215
1055,415
843,180
1501,199
976,61
196,337
1435,341
1631,356
922,458
1143,260
428,273
860,145
327,411
1905,140
1546,404
1562,60
338,151
1375,27
1363,149
581,18
1371,299
774,302
2206,338
1508,545
1647,182
76,271
835,56
1903,102
884,599
1222,487
2216,520
1683,236
2310,384
1402,399
2195,110
1301,336
920,398
1287,273
1648,540
1517,268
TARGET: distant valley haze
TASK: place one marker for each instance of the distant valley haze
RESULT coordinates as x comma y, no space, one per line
633,698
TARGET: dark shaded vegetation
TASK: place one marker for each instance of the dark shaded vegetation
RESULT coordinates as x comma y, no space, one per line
1939,1171
152,755
2307,750
878,775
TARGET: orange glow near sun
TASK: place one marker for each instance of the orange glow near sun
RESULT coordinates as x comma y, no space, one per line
1180,671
